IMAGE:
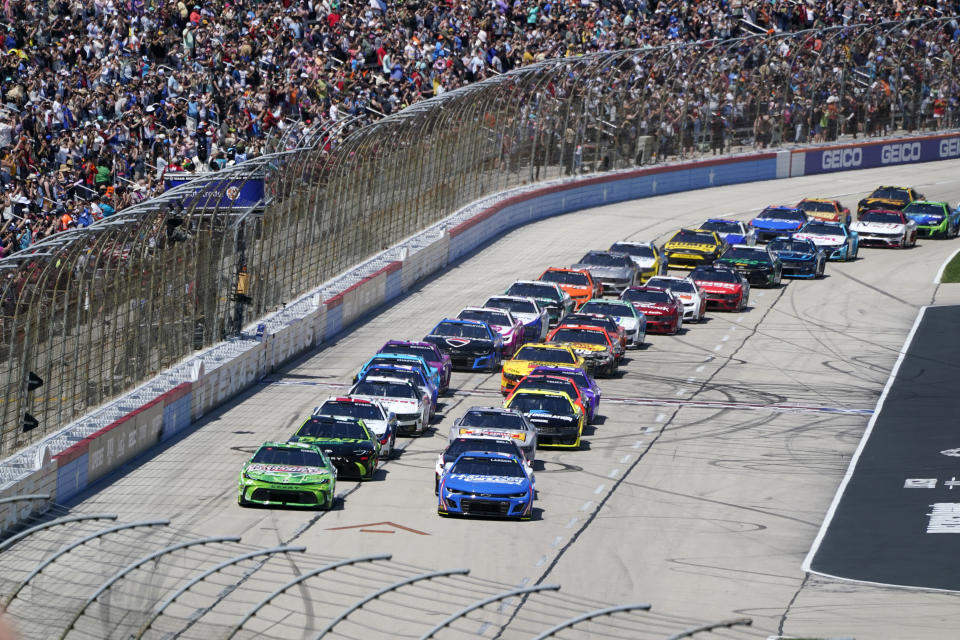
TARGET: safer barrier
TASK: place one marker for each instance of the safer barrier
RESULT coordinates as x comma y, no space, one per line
69,463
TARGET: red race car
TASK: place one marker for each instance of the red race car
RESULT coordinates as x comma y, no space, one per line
725,288
663,310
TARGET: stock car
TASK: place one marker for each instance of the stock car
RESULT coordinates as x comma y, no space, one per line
662,309
536,321
501,321
617,334
889,199
934,219
458,446
288,473
615,271
548,295
435,359
551,382
885,228
410,374
645,255
491,484
799,258
388,359
559,422
586,385
730,231
531,356
497,422
374,414
633,323
578,283
826,210
470,344
759,265
835,238
592,343
778,221
689,248
686,290
725,288
402,397
352,448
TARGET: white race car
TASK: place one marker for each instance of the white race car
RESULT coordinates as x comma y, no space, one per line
686,290
884,228
834,238
374,414
402,397
645,255
536,321
500,320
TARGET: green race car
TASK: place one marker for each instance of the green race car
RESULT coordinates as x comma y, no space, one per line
352,448
288,473
934,219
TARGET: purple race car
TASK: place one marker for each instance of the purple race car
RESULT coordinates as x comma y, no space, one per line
436,359
588,387
501,321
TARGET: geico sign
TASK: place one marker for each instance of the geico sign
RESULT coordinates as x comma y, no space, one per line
842,158
950,148
903,152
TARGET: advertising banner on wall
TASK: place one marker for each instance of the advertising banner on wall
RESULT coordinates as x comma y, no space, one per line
207,192
876,154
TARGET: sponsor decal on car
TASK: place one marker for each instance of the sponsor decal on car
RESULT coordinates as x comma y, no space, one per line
279,468
469,477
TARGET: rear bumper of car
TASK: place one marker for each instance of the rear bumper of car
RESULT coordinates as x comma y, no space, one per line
800,269
473,361
881,240
766,235
270,493
614,286
681,260
349,466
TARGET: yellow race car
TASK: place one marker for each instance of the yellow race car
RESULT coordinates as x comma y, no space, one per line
889,198
558,420
691,248
533,355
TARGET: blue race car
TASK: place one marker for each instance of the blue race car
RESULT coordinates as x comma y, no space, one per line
431,373
835,238
487,483
471,344
405,372
800,258
778,221
731,231
587,385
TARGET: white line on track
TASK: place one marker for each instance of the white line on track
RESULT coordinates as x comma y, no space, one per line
556,541
638,444
649,430
733,327
571,524
542,561
599,489
586,505
708,359
660,418
701,368
483,628
681,392
613,473
739,318
724,338
625,459
524,581
718,347
691,379
936,279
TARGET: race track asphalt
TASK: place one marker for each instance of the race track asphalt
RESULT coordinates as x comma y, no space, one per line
704,509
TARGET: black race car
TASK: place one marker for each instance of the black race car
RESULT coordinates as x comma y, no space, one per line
469,343
352,448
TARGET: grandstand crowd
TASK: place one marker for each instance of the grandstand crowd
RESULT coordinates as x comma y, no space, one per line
99,98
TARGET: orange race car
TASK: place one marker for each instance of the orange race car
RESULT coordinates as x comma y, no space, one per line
823,209
578,283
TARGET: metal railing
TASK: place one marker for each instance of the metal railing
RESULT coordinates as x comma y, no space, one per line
94,312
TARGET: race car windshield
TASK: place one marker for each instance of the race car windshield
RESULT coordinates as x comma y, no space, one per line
637,250
579,378
553,384
606,308
681,286
924,208
385,389
822,229
789,245
399,374
600,259
692,237
514,306
746,254
528,402
559,356
891,193
461,445
332,430
817,207
375,361
714,275
781,214
288,456
577,335
888,217
654,297
721,226
532,290
490,317
411,350
498,467
351,410
566,277
457,330
489,419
